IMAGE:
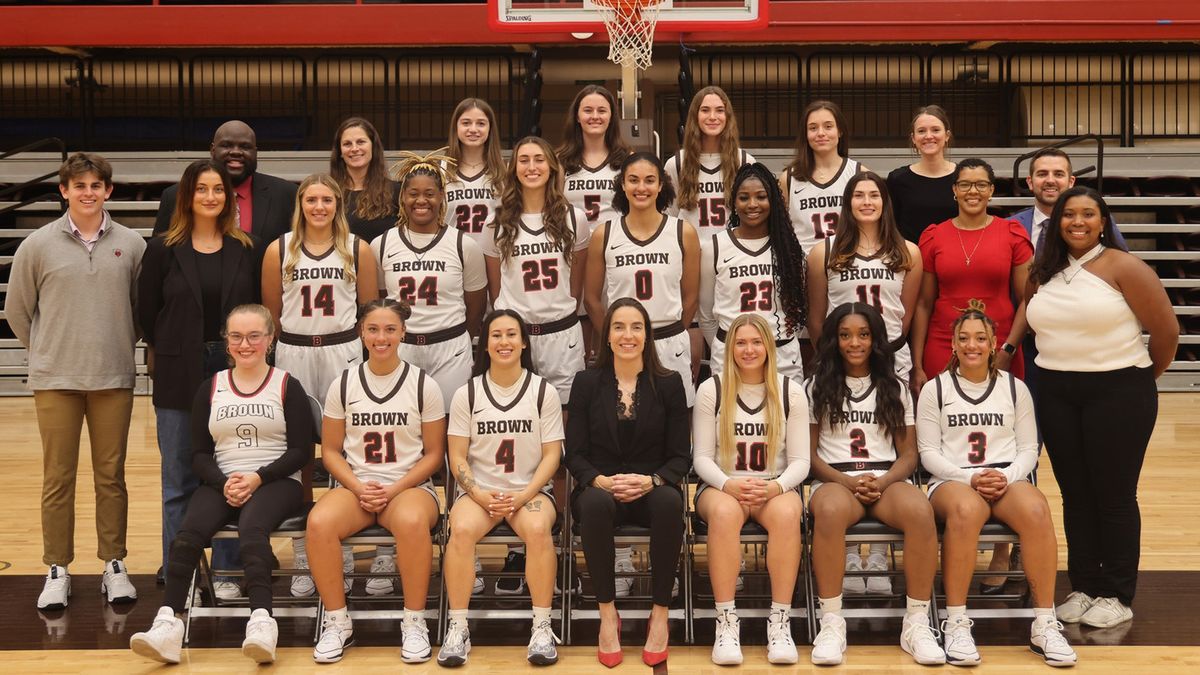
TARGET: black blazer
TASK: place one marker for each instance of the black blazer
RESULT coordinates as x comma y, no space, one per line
274,201
171,312
662,438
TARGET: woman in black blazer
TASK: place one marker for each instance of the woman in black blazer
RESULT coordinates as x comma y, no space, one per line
192,276
629,447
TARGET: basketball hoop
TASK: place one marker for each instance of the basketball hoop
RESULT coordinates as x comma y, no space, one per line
630,25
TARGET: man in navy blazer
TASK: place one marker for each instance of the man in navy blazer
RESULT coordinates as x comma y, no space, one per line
265,203
1049,176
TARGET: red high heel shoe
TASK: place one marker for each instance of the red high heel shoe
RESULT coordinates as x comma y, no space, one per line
654,658
611,659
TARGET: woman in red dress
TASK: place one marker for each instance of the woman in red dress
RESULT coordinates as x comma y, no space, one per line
972,261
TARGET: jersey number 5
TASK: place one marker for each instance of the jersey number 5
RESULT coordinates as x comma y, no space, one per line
506,455
540,275
379,448
978,452
321,300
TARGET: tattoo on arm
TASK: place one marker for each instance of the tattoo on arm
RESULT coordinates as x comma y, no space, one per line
465,478
535,505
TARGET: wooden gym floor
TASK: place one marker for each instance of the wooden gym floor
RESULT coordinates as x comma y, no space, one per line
92,636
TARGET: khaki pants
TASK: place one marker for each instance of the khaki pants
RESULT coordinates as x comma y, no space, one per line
61,414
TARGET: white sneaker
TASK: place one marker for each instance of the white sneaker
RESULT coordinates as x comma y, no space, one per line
227,590
115,584
960,645
781,648
727,644
477,588
881,585
347,568
56,592
164,639
302,585
262,633
456,646
623,585
852,585
542,650
740,584
830,644
1074,607
1106,613
384,565
336,637
414,641
1046,640
918,639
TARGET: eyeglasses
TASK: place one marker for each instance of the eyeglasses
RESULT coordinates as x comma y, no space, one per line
966,185
255,339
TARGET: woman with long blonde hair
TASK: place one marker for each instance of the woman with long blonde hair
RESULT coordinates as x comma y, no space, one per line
750,448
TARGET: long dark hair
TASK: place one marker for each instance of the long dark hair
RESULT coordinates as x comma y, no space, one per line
787,257
1053,257
650,363
620,200
483,360
893,249
570,153
182,219
829,389
804,159
376,200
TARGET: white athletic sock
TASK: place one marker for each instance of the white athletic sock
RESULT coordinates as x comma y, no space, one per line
540,614
457,616
722,606
830,605
1045,614
414,614
784,607
914,606
339,615
953,611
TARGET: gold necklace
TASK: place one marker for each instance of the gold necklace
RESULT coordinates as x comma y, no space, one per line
963,246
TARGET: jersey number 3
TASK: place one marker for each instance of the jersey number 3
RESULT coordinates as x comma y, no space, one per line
978,452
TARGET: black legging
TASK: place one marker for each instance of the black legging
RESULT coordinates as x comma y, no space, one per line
1096,427
207,512
599,513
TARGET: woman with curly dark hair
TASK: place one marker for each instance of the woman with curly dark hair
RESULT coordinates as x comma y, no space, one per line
535,258
864,448
755,265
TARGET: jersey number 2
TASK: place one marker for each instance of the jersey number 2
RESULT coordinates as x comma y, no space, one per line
321,300
379,448
858,444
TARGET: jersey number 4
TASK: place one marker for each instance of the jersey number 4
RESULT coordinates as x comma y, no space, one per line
757,296
751,456
978,452
379,448
322,300
506,455
470,218
540,275
409,290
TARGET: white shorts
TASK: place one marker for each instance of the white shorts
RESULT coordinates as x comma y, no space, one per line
448,363
317,368
789,363
675,354
557,357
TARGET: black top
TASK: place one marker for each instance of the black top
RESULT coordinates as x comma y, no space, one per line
660,442
369,230
297,413
273,201
919,202
209,267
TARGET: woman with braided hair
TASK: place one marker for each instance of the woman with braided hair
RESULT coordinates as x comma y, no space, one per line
754,265
437,271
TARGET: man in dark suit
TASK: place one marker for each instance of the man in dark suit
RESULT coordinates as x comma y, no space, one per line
265,203
1049,176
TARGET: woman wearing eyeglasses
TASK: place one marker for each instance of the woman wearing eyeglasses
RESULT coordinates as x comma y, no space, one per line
972,261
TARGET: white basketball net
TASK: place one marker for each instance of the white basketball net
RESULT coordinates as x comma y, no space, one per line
630,25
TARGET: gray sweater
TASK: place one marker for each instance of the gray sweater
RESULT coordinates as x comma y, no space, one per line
73,310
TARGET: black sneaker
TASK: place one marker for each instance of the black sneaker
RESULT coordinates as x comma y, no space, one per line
515,563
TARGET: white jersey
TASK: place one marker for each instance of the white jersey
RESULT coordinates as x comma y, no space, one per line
744,281
856,437
506,427
711,213
248,429
750,433
649,271
814,208
471,204
536,280
318,299
977,431
383,417
869,281
430,272
591,191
